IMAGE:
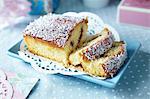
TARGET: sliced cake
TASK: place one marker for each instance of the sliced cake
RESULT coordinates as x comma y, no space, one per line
94,49
108,64
55,36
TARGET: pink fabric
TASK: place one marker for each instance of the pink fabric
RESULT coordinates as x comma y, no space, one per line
17,94
13,10
137,18
137,3
21,87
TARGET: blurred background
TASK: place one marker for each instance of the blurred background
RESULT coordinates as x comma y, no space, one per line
16,11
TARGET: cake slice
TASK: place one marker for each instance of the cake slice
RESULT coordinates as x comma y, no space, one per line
94,49
108,64
55,36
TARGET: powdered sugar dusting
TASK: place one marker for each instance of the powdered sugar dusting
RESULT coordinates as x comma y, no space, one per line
53,28
99,48
113,63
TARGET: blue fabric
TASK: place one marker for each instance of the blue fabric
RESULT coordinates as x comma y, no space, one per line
37,7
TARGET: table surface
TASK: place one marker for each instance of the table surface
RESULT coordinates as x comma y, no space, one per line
135,83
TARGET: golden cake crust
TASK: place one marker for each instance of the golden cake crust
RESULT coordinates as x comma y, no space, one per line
33,41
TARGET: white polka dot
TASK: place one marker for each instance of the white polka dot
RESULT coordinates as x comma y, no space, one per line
123,97
87,88
45,86
62,97
95,87
54,92
145,87
146,70
120,90
142,81
37,94
134,82
144,65
96,93
129,89
138,70
54,98
137,88
54,78
131,95
38,88
79,89
79,95
132,76
113,90
87,94
134,61
141,76
148,93
115,97
71,96
70,83
104,91
136,65
106,98
127,83
131,71
139,94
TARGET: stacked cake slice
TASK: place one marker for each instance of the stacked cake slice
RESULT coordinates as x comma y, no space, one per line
101,56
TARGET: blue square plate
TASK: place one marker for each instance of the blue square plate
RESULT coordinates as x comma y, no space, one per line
132,48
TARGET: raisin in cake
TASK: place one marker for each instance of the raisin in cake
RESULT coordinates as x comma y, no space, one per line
55,36
94,49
